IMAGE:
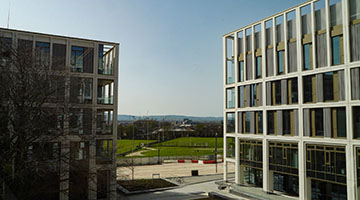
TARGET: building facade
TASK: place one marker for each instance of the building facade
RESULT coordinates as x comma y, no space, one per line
292,101
88,135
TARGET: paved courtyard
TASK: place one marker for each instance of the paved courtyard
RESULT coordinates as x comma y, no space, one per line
171,170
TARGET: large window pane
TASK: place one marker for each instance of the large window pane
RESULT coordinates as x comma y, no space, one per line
270,123
286,122
105,92
230,98
82,59
230,147
81,90
336,57
280,62
307,60
308,89
42,54
104,151
58,56
356,121
230,122
258,67
329,86
106,59
340,122
104,122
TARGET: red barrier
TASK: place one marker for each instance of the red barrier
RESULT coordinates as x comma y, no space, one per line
181,161
209,161
194,161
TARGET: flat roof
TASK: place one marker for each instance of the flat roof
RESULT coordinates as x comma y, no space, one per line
60,36
267,18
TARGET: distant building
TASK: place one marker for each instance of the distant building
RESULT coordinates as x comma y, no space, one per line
292,101
92,74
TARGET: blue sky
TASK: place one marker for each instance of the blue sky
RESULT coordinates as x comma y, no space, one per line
171,50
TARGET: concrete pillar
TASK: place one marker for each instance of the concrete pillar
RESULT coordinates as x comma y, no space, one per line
266,176
241,175
237,160
303,184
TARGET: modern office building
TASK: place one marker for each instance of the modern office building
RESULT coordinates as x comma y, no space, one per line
90,73
292,101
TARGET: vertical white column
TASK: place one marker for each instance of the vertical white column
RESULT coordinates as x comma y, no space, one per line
327,13
266,179
275,44
350,171
299,42
313,35
302,171
253,52
224,106
237,160
301,144
285,44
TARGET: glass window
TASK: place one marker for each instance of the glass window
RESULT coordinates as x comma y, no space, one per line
230,122
258,67
230,147
247,122
241,71
241,96
356,121
230,72
77,59
280,62
341,122
230,97
104,151
82,59
253,95
319,122
307,60
58,56
335,12
42,53
329,86
260,122
104,122
335,41
106,59
308,97
105,92
286,122
294,90
277,92
270,122
81,90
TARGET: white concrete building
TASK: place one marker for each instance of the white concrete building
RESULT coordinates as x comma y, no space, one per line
90,87
292,101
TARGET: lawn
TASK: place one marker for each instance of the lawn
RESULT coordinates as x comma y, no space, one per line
126,145
193,142
180,151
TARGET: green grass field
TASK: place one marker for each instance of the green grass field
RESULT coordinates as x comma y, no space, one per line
126,145
180,151
193,142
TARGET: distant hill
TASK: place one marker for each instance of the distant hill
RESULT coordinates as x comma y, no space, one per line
170,118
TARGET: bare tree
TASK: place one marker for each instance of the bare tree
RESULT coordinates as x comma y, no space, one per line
33,110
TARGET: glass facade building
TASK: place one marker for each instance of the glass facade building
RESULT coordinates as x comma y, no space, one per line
297,113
